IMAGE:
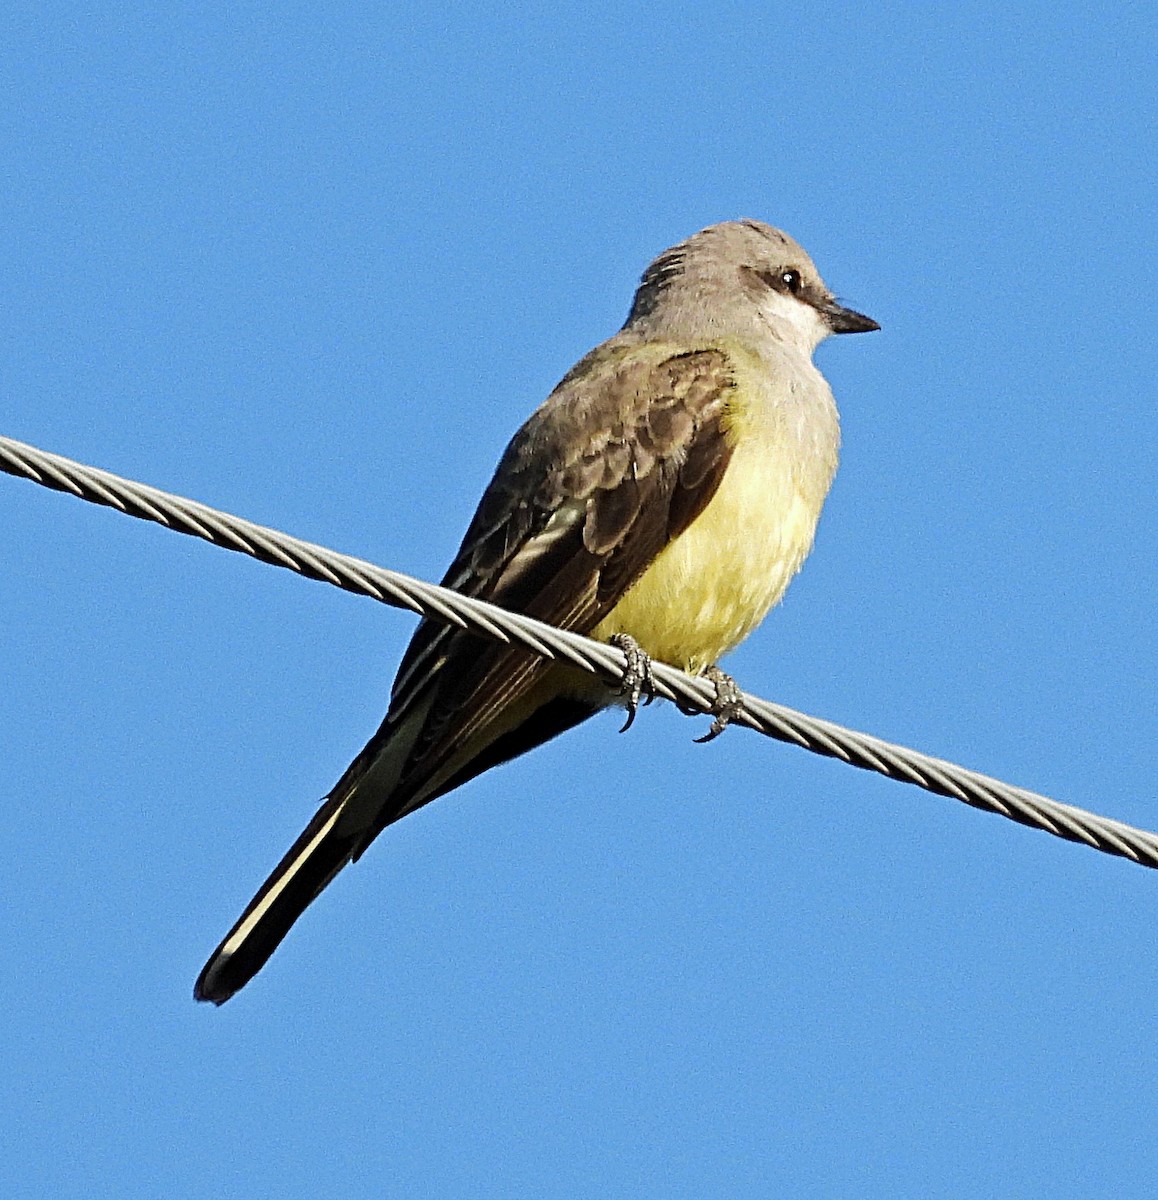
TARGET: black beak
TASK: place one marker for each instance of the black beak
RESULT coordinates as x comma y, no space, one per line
845,320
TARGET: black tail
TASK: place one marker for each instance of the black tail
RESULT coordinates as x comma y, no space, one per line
311,862
367,798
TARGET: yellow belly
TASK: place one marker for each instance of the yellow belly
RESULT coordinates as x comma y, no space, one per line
715,583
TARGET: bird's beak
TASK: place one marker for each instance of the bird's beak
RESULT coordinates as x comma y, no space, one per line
845,320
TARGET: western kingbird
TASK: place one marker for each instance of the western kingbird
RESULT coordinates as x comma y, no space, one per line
668,489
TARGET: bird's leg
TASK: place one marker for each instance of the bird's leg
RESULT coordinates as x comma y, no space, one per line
637,681
727,706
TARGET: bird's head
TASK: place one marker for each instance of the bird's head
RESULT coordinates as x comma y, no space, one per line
730,275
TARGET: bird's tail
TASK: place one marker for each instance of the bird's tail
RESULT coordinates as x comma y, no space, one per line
368,797
373,793
311,862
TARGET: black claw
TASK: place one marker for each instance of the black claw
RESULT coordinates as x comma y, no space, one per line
715,729
637,681
727,706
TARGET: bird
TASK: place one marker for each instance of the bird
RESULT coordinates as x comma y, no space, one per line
661,498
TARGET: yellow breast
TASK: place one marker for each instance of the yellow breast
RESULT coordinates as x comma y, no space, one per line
713,585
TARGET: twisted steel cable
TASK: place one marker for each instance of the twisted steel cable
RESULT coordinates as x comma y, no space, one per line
402,591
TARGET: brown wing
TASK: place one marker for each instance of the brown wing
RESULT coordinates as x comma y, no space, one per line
622,457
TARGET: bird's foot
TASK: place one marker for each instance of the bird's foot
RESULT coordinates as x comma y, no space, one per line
727,706
637,682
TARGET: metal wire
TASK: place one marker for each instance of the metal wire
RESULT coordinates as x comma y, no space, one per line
402,591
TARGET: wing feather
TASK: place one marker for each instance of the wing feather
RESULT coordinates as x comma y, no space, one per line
621,458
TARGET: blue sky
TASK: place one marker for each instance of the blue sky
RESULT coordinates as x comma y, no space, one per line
315,265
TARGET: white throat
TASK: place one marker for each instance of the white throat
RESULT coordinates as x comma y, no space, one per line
793,321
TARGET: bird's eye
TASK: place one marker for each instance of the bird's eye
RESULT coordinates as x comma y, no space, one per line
787,280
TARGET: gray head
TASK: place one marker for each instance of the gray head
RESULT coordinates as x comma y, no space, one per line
738,277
